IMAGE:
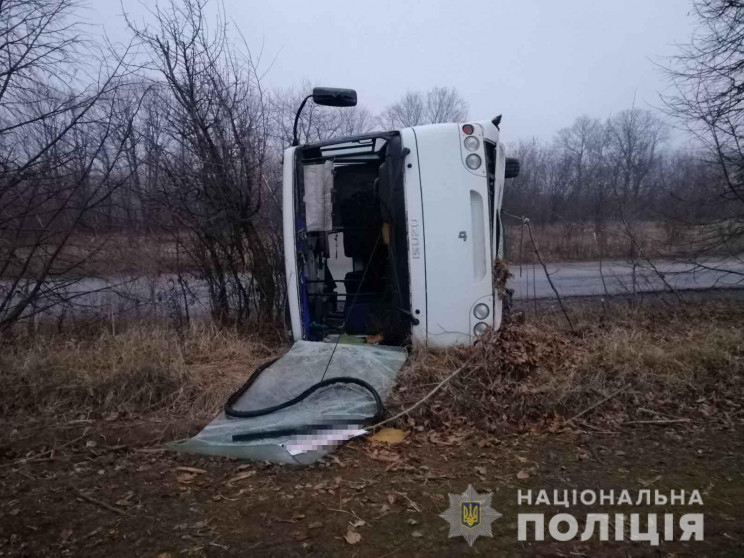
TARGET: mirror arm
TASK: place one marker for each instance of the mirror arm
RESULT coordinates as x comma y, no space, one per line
295,139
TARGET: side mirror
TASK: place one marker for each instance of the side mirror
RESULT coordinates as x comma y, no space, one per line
512,168
334,97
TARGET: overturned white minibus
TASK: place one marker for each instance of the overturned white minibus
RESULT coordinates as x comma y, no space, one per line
389,238
392,236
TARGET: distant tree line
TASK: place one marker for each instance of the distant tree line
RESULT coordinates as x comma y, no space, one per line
593,170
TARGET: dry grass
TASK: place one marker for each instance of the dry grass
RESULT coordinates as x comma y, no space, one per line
146,368
105,254
567,241
655,363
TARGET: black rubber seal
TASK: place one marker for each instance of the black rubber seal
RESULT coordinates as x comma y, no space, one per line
231,412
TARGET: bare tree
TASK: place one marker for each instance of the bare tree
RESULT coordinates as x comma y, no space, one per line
636,137
581,146
409,111
59,161
211,157
440,104
444,104
708,75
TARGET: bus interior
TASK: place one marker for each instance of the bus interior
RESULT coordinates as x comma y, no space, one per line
351,240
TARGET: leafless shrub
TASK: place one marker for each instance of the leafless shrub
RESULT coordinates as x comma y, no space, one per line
210,139
59,157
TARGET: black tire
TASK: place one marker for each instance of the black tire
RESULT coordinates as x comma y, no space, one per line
512,167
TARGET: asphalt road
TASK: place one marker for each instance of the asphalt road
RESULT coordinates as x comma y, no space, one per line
617,277
152,297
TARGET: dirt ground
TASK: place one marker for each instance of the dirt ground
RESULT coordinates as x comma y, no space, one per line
110,488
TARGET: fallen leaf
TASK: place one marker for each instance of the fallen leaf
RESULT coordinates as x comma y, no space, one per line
384,455
352,537
417,534
125,500
480,470
185,478
522,459
315,525
455,439
412,521
388,436
374,339
522,475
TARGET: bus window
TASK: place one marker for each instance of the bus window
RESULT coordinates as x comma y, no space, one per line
491,175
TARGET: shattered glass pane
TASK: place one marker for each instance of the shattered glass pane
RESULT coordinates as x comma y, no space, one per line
325,419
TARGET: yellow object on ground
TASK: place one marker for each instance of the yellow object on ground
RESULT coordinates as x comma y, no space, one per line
388,436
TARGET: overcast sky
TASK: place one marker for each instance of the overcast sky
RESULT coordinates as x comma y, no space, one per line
539,62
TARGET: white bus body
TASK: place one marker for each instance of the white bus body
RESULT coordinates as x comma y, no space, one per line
395,234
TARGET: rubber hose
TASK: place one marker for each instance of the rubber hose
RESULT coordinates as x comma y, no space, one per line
230,411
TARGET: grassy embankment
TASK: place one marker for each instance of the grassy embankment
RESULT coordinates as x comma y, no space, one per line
657,362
